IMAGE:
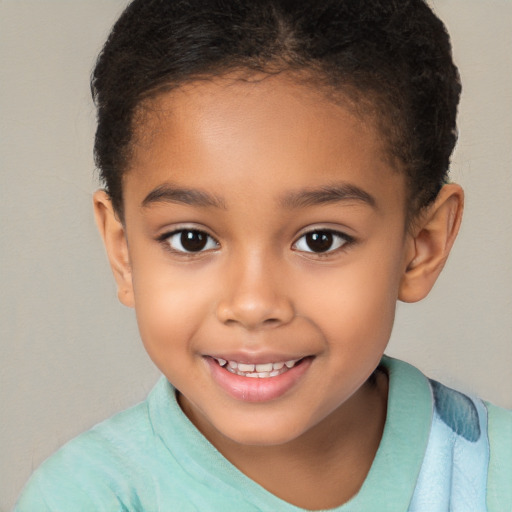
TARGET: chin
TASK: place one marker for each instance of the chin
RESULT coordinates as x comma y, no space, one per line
260,435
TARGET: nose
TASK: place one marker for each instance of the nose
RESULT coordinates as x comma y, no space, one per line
254,297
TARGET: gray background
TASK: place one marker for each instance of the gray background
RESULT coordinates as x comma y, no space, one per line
70,354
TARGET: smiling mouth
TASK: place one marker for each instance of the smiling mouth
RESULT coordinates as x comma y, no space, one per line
258,371
259,380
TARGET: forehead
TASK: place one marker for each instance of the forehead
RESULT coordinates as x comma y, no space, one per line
266,135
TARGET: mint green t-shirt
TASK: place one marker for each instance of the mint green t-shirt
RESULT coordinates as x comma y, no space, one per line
440,451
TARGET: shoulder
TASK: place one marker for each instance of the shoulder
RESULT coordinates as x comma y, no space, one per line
481,446
89,472
500,460
500,423
467,459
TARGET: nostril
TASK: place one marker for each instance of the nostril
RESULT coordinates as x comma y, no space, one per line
255,310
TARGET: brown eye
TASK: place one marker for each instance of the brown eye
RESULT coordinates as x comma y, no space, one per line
321,241
191,240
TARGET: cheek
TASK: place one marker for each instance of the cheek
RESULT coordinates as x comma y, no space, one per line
170,305
355,305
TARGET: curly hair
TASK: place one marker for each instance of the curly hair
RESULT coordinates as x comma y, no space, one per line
392,54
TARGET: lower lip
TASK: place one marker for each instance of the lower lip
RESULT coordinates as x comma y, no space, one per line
249,389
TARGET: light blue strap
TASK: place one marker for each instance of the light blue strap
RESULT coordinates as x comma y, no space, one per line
454,470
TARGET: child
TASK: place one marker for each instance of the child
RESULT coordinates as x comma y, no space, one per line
275,180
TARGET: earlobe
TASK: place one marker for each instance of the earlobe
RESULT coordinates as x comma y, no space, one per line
113,233
431,242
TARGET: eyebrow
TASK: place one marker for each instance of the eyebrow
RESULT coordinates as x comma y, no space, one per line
327,194
168,193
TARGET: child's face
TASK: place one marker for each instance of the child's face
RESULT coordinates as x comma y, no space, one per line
293,220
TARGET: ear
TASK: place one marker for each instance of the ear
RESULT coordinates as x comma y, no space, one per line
113,233
432,238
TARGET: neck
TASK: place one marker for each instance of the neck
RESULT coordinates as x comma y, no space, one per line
325,466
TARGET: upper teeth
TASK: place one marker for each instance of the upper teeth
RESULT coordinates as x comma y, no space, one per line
256,370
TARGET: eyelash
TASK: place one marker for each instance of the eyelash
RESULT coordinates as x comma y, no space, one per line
166,240
336,237
330,237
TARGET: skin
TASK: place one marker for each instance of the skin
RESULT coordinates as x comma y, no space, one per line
258,292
